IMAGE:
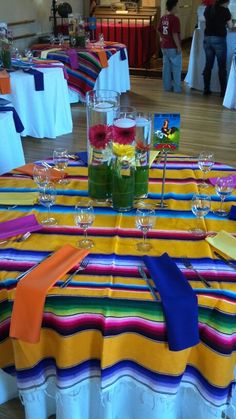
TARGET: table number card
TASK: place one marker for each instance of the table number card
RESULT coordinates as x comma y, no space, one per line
166,132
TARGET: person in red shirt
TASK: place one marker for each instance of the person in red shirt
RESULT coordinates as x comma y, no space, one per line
169,29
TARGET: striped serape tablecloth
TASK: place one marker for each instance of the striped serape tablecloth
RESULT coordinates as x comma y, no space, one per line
83,78
105,324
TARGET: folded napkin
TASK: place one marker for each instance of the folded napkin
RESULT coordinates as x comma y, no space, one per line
47,51
5,85
122,54
232,213
102,56
18,198
224,242
152,156
179,302
214,179
17,121
27,169
83,156
19,226
38,78
73,56
31,292
4,102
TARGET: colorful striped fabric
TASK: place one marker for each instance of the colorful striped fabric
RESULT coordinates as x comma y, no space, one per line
107,311
84,78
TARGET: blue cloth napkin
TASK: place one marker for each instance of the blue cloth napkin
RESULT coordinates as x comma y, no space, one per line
122,54
83,156
232,213
179,302
18,124
38,78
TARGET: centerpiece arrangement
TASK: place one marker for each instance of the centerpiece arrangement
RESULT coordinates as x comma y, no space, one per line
123,165
102,108
143,145
118,150
5,48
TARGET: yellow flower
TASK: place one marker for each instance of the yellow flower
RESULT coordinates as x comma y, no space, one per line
124,151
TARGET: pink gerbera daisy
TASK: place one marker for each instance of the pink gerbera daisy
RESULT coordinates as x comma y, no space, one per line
99,136
123,135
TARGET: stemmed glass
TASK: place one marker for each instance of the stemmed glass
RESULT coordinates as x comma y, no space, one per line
84,218
47,198
61,160
205,163
41,176
144,220
201,205
224,187
29,55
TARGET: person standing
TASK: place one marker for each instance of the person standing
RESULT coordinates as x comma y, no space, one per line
169,29
218,18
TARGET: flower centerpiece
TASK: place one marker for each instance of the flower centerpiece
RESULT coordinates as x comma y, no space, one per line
123,166
5,48
142,148
102,107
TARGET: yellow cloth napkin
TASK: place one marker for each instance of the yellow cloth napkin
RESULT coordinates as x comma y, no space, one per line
46,52
224,242
153,154
18,198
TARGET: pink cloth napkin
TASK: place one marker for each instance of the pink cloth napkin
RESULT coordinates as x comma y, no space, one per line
213,180
19,226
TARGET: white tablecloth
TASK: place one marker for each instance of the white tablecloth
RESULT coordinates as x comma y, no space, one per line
196,65
126,399
44,113
230,94
11,151
114,77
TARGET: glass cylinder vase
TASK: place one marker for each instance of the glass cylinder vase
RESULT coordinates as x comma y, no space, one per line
102,107
142,148
123,166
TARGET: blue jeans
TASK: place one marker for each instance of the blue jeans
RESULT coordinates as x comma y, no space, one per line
171,73
215,46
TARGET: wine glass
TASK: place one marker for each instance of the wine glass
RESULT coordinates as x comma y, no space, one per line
29,55
201,205
60,38
84,218
224,187
47,198
205,163
61,160
41,176
144,220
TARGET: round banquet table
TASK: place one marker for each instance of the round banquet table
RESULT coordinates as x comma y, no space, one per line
230,94
11,151
103,351
114,77
44,114
194,78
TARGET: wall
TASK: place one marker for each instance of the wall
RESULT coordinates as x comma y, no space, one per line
39,10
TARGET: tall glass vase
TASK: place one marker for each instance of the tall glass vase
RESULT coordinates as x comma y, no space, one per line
142,148
123,166
102,107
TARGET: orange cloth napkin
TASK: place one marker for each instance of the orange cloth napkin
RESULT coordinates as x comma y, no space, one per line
5,85
31,292
102,56
27,169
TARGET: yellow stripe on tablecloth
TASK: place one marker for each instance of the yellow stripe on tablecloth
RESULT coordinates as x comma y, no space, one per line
145,352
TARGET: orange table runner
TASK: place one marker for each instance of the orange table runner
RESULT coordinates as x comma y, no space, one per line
5,85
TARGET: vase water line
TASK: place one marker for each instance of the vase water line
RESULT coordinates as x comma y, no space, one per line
102,107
